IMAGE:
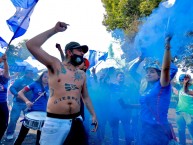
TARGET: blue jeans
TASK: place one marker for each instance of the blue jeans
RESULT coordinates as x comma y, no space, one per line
14,116
182,120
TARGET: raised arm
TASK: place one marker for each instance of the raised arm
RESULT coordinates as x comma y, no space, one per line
133,68
6,67
61,52
34,44
165,72
186,85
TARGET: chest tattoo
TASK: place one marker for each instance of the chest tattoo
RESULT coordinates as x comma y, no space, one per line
78,76
70,87
63,70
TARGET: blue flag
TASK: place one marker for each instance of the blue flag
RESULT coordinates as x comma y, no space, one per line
3,43
23,3
96,56
19,22
92,58
104,56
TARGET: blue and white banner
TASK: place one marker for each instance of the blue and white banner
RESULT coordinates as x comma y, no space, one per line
24,3
3,43
19,22
96,56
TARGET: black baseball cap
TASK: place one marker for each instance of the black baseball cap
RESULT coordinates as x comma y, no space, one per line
76,45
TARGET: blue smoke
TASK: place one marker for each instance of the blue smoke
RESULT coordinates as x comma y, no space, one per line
176,21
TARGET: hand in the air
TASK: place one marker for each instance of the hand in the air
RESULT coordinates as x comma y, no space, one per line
187,79
3,58
61,26
167,41
58,46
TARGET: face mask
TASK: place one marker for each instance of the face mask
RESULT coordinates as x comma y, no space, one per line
76,59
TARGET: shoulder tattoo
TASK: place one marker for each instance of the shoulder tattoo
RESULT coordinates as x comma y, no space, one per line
63,70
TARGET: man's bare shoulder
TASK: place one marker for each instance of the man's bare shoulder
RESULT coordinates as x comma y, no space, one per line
56,66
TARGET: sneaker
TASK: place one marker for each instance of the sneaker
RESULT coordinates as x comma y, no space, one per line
10,136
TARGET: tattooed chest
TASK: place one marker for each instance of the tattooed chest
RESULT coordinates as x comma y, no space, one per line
70,87
67,98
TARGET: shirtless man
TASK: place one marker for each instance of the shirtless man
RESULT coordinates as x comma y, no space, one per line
67,84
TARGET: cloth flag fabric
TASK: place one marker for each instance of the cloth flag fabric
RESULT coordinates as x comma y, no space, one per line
19,22
23,3
104,56
96,56
92,57
3,43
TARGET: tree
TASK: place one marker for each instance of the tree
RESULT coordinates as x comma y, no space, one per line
23,52
18,52
127,14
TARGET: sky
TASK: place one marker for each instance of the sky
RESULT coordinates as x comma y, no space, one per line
84,17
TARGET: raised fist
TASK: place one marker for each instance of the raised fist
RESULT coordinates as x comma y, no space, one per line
61,26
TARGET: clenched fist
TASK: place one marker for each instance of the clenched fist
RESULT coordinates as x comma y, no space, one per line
60,26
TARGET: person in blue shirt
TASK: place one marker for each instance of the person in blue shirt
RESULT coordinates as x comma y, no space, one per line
4,111
121,93
18,104
155,100
38,87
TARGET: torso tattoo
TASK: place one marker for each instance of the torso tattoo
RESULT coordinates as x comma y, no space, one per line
67,98
78,76
70,87
63,70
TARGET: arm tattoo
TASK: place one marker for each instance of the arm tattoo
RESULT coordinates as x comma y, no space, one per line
51,92
70,87
77,76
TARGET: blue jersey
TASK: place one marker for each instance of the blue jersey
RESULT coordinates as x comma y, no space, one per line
3,88
37,89
18,85
155,102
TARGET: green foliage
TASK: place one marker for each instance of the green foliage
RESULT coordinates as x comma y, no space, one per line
23,52
146,6
18,52
126,14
